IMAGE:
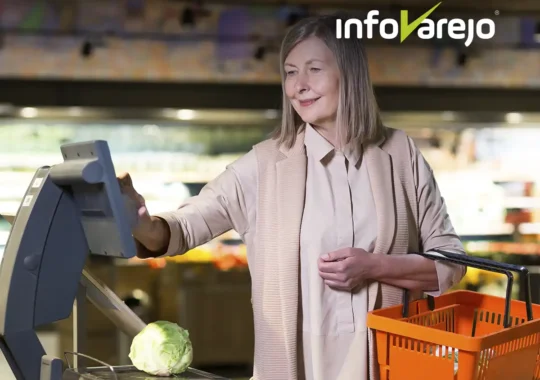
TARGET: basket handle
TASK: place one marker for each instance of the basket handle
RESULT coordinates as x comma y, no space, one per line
484,264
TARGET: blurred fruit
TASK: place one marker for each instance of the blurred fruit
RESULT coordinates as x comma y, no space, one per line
226,262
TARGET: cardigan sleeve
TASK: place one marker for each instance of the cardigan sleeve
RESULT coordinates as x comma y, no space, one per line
223,204
435,227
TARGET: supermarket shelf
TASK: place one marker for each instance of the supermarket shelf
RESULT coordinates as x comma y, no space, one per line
4,237
487,231
508,248
9,208
522,202
529,228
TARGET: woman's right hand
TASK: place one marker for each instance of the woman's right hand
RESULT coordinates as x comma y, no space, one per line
143,224
147,230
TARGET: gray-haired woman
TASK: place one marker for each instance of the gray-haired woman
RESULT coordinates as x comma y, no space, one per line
329,207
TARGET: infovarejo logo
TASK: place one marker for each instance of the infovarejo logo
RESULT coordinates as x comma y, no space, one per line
427,29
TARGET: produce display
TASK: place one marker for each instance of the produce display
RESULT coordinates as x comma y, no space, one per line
162,349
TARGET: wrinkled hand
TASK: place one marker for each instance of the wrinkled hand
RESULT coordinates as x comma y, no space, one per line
144,220
346,268
151,233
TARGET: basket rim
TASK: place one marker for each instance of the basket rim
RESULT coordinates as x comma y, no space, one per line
401,327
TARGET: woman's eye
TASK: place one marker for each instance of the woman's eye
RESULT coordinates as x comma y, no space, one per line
290,72
315,69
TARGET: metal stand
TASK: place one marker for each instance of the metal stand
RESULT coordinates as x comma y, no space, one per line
124,345
79,325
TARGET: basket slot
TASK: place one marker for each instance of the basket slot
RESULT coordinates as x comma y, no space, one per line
488,322
512,360
516,359
452,319
483,362
440,319
426,359
537,370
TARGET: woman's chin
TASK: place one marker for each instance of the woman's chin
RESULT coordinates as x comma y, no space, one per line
309,119
314,121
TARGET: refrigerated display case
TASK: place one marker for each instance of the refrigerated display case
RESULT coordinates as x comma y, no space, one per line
484,163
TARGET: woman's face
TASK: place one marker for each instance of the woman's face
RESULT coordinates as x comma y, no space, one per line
312,82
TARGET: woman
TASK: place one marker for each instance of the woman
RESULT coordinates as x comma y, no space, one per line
329,207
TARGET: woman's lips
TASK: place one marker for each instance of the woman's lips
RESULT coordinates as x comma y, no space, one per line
307,103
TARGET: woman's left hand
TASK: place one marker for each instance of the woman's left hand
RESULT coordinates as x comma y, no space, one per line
346,268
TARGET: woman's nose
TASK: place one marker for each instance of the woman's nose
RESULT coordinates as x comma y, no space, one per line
301,83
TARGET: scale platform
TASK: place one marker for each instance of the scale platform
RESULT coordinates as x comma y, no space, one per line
131,373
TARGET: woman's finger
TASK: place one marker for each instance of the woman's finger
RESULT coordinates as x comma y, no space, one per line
141,200
326,267
331,276
332,266
337,285
143,211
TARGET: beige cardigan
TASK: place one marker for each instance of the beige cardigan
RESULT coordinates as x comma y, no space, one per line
275,272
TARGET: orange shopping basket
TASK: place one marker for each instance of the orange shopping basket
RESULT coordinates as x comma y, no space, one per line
461,335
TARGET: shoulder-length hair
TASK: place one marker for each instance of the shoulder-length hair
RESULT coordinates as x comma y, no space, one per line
358,118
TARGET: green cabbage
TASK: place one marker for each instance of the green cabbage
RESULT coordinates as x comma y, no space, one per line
162,349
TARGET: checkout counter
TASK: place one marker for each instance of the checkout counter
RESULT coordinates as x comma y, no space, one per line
69,211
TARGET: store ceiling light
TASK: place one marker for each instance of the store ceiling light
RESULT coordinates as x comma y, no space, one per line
185,114
29,112
514,118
